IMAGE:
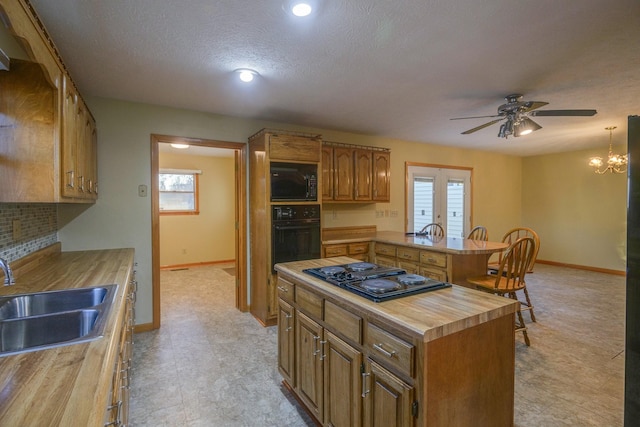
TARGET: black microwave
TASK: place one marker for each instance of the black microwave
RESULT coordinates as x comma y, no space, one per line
294,182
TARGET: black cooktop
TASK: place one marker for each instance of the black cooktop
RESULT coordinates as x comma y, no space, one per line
374,282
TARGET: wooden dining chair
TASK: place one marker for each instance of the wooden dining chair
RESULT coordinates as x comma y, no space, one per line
478,233
510,237
432,230
509,278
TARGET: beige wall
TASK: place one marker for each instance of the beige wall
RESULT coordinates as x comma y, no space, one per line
210,235
122,219
580,216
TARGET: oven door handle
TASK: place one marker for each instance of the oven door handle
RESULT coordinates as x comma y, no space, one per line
294,227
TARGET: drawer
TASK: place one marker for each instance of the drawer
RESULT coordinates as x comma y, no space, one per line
389,349
358,248
408,253
384,249
385,261
335,250
434,273
286,290
309,302
433,258
410,267
342,322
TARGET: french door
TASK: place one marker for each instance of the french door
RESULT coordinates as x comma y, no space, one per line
440,195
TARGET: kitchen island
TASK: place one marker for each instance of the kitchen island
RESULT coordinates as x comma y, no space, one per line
439,358
83,384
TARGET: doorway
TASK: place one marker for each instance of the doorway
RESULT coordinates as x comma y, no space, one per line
240,156
438,194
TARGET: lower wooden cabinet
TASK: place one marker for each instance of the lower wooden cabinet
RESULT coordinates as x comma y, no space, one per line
118,409
328,374
357,250
431,264
388,400
309,366
342,383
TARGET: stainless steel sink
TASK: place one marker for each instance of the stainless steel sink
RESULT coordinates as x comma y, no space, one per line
52,302
43,320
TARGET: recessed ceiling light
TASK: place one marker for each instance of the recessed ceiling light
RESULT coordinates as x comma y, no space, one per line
301,8
246,74
180,146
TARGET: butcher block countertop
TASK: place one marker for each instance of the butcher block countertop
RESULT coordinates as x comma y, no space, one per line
452,245
429,315
68,385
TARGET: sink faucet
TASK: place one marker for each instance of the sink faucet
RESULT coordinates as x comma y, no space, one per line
8,274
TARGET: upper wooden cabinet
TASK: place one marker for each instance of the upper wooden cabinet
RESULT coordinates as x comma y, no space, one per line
352,173
49,142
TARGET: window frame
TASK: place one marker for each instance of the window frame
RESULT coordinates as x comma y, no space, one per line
196,194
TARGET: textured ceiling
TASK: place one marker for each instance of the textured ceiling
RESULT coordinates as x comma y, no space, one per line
398,69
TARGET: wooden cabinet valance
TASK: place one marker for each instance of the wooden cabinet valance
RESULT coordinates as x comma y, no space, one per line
353,173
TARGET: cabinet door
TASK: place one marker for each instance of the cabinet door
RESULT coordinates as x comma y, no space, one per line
388,399
381,176
342,173
286,342
342,383
69,137
81,149
327,173
309,372
363,170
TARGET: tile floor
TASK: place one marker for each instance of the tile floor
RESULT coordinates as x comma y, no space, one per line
211,365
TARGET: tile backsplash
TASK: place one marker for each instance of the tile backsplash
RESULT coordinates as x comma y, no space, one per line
39,228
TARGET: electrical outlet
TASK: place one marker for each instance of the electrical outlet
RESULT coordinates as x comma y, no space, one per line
17,230
394,214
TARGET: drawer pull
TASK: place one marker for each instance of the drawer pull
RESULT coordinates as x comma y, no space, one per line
364,384
382,350
283,289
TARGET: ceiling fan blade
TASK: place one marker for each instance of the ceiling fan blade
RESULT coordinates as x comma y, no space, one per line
467,132
563,113
533,105
477,117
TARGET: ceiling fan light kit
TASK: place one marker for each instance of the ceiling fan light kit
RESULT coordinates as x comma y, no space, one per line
616,163
516,114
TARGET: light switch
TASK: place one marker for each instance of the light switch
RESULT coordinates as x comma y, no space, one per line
142,190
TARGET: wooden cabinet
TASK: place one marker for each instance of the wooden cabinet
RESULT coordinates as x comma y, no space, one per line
49,136
118,409
78,147
286,342
432,264
381,176
357,250
388,400
342,383
362,173
354,173
330,376
309,366
266,146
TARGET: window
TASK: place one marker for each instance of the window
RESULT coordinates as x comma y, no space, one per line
178,192
439,195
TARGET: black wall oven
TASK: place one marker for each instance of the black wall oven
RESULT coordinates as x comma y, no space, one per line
295,233
294,182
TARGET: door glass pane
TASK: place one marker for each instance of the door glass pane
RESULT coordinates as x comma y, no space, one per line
423,196
455,208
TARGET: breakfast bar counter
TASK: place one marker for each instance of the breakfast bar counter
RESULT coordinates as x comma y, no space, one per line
443,357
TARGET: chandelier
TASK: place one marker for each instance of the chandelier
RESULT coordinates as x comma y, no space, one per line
615,163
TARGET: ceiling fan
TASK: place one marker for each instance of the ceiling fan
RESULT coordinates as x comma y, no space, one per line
517,113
